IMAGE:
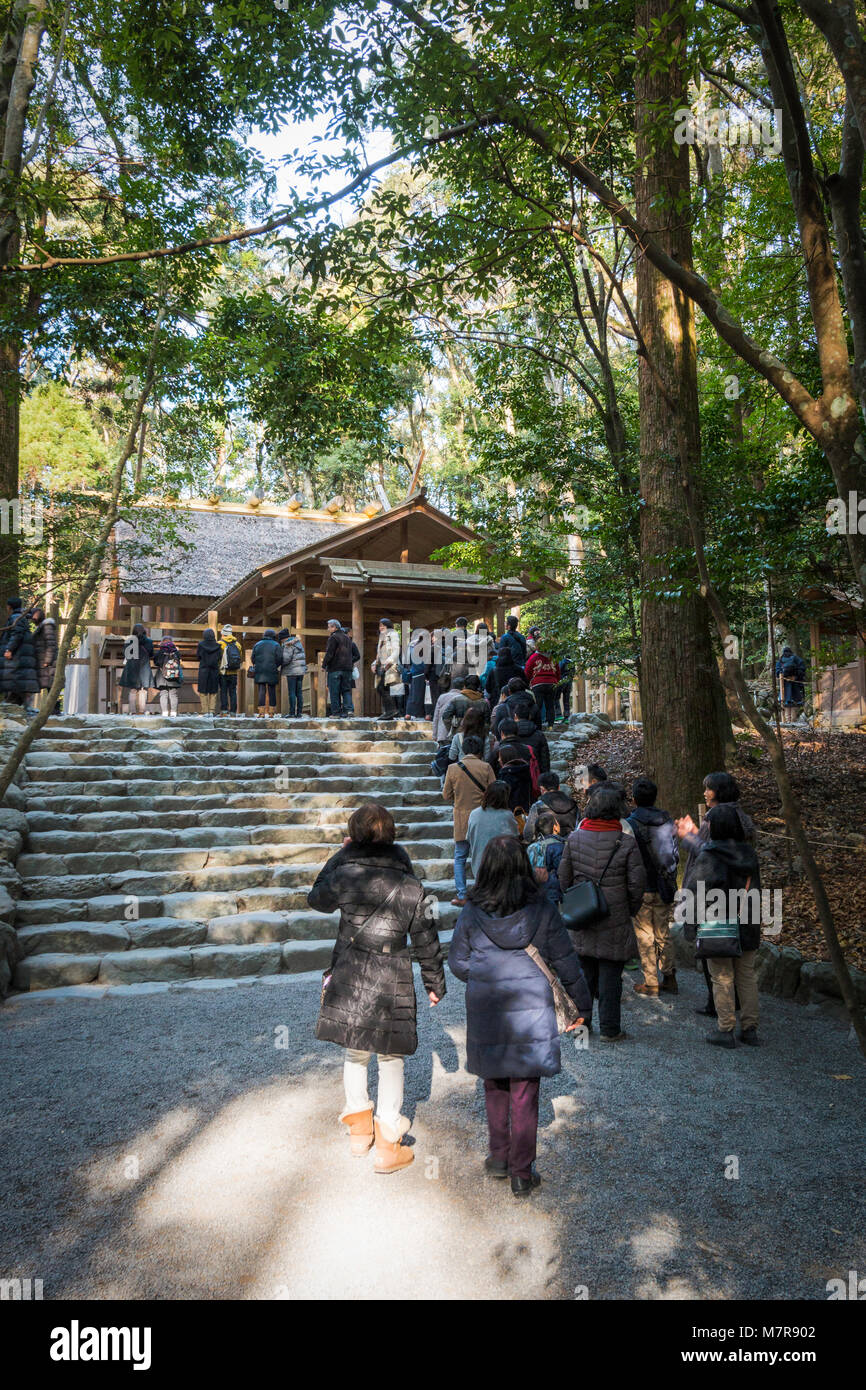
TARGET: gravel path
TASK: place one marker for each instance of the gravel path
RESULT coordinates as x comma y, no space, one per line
186,1146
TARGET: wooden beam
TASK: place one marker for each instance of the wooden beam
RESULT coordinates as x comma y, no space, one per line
358,638
285,621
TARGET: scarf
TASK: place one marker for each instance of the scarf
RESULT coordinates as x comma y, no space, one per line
600,825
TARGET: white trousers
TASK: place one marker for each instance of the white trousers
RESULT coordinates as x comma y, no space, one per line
168,700
390,1096
137,701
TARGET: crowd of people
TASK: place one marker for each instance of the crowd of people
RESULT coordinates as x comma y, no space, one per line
408,685
525,930
28,654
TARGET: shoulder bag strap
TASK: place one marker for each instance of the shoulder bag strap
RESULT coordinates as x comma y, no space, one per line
608,864
380,907
464,768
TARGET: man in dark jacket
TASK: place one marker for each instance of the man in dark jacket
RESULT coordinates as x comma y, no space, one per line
792,669
267,660
657,842
552,798
518,704
525,737
511,656
340,656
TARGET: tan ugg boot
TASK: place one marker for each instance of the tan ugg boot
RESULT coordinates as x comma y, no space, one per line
360,1126
391,1153
261,711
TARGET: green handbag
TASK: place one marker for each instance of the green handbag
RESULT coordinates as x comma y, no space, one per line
718,939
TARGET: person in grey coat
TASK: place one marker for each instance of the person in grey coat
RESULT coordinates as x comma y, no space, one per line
600,849
488,820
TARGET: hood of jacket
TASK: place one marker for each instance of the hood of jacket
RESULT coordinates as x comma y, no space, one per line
649,815
558,801
510,933
472,694
525,728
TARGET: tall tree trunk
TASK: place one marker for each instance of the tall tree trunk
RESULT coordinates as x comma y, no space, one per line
680,686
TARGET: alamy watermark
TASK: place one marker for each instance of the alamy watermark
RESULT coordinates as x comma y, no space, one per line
720,127
764,906
846,518
22,517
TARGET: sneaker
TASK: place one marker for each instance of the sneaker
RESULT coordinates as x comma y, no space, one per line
722,1039
653,993
749,1036
633,964
458,902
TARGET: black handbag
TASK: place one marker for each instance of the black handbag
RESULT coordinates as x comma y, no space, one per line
585,905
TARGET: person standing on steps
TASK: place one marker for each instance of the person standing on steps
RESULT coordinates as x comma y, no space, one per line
511,658
267,660
368,992
294,669
168,676
542,673
386,668
512,1038
209,653
487,821
472,725
599,850
45,648
231,661
137,676
552,797
340,656
724,862
657,842
466,781
792,670
18,676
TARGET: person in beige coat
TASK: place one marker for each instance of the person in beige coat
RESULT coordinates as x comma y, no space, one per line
386,668
466,781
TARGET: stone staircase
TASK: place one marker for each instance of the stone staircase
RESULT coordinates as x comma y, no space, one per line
178,853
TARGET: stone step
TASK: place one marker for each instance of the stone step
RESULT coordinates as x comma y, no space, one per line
106,812
194,905
188,781
93,976
95,767
343,794
96,938
155,860
94,728
155,835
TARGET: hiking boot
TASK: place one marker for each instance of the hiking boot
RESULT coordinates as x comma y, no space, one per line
496,1167
722,1039
458,902
360,1126
521,1187
650,990
669,984
613,1037
749,1036
391,1153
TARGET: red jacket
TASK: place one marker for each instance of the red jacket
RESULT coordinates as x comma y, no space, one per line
540,670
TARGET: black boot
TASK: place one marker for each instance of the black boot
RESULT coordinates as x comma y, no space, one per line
521,1187
721,1039
496,1167
749,1036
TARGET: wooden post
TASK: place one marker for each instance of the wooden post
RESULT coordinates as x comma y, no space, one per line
300,624
610,695
213,621
285,621
404,541
500,619
578,694
358,638
636,706
94,645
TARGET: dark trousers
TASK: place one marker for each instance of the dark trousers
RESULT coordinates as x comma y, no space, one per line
389,704
340,693
229,693
512,1121
295,687
562,698
415,705
267,694
544,699
604,978
433,682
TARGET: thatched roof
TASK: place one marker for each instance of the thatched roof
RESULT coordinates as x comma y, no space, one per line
221,549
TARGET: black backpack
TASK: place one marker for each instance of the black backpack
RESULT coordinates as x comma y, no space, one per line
233,656
517,777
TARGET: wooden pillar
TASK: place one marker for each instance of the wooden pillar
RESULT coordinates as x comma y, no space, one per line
610,695
213,621
300,624
578,694
404,541
500,619
815,644
636,707
94,645
358,638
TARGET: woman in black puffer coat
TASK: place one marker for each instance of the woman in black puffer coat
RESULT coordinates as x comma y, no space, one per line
19,679
209,653
368,998
600,849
